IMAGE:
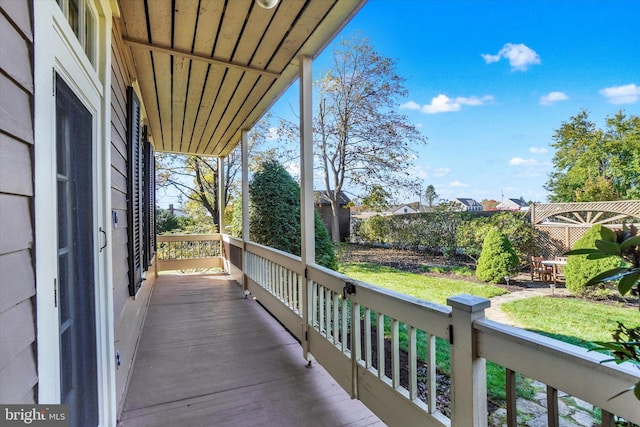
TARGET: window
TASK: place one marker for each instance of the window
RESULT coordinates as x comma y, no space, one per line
82,20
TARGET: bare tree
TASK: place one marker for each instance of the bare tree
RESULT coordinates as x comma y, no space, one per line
196,177
360,140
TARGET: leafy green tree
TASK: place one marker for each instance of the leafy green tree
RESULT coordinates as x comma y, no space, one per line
593,164
580,269
430,195
274,214
377,200
360,140
166,221
498,258
235,217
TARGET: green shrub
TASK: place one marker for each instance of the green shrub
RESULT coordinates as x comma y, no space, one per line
375,229
498,258
325,249
274,214
433,231
166,221
516,225
579,269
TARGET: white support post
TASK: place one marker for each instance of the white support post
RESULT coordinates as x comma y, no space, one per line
468,372
244,146
221,190
221,205
306,186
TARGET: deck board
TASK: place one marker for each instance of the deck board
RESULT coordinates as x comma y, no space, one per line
209,357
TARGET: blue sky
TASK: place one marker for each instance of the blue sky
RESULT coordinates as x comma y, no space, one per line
490,81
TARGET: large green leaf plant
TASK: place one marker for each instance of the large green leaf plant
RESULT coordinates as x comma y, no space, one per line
625,346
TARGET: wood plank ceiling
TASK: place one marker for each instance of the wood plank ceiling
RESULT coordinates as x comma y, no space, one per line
209,68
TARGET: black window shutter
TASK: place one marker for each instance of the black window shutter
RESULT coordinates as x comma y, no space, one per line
149,201
134,191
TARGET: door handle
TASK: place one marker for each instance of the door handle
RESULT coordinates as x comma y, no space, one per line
104,234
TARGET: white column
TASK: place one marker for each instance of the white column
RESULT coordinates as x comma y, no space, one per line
245,184
221,208
306,162
221,200
308,252
244,146
468,372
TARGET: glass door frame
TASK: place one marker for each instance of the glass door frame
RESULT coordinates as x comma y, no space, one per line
60,52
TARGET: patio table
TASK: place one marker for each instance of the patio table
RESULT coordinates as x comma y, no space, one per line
556,265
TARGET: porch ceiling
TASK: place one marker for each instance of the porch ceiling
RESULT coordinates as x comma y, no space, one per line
208,69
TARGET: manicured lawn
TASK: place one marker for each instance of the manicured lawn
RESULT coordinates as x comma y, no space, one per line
436,290
432,289
570,320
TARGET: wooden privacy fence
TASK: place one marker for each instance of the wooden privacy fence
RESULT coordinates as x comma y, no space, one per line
560,225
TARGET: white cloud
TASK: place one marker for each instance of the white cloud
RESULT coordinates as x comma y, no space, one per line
491,58
420,172
553,97
438,172
443,104
474,100
410,105
457,184
538,150
520,56
626,94
518,161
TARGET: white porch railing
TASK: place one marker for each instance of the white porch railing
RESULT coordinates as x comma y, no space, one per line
191,251
354,351
397,380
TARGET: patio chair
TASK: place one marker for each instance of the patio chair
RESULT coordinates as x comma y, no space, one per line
539,271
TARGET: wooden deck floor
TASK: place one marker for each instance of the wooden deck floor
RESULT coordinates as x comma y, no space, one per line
210,357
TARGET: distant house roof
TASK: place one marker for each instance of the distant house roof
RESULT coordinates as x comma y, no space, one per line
402,209
469,203
520,202
321,198
512,204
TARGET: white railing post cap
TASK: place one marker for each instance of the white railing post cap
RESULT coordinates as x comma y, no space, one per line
468,303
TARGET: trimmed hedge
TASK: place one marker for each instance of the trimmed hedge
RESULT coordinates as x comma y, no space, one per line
446,231
498,258
579,269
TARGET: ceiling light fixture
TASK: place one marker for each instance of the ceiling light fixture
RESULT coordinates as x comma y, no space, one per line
267,4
